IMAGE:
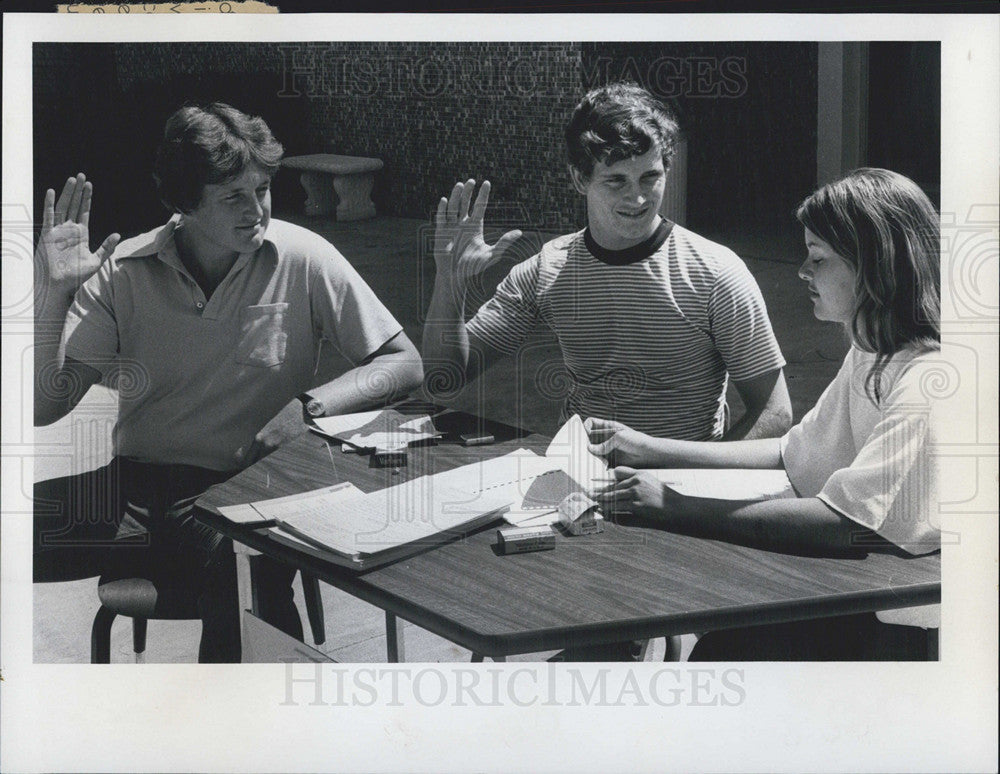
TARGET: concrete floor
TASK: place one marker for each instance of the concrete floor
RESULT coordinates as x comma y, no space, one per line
392,254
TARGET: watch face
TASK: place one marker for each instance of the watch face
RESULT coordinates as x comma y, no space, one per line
314,408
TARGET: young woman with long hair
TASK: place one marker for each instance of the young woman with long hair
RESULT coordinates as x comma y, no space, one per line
860,460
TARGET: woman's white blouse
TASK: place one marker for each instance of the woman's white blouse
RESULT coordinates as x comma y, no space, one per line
874,463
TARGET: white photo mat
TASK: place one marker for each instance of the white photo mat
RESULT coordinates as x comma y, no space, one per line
938,716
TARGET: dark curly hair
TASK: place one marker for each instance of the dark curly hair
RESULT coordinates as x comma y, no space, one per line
210,145
616,122
883,225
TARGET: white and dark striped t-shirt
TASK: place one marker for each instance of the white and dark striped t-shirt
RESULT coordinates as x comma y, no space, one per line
647,343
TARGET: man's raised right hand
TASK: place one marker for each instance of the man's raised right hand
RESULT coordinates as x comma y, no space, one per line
63,250
459,246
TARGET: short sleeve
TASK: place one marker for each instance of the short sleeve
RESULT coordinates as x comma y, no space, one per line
739,324
507,318
891,487
822,442
345,311
90,333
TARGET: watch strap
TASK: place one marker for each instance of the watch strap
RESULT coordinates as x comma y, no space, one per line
311,407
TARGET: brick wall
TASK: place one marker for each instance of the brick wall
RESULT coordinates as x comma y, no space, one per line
143,63
440,112
437,113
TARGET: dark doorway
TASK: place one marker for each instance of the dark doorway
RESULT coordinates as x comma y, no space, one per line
904,111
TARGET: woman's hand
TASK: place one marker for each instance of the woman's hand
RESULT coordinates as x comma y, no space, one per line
620,444
638,493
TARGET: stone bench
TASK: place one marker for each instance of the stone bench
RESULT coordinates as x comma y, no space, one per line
351,178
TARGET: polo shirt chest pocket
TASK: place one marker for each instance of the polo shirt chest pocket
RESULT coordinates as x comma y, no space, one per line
263,336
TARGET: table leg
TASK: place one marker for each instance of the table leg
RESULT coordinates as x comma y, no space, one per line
933,654
673,650
244,586
394,639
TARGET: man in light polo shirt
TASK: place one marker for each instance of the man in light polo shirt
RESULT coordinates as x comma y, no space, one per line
215,322
652,319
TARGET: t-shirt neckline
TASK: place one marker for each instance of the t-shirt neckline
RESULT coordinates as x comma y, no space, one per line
633,254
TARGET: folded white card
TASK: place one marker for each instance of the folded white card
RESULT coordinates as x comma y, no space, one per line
386,428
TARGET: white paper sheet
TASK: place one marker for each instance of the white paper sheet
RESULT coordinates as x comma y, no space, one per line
377,429
727,483
278,508
509,476
241,514
570,449
282,508
355,522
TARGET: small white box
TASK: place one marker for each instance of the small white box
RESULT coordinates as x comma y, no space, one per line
578,515
519,540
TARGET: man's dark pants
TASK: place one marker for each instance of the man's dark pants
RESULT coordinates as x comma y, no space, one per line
132,516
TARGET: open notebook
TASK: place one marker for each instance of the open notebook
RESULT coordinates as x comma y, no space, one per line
344,525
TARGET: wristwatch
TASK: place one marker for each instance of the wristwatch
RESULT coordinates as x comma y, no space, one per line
311,407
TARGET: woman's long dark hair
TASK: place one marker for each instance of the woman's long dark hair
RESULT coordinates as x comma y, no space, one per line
882,224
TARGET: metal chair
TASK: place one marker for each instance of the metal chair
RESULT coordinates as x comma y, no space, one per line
143,598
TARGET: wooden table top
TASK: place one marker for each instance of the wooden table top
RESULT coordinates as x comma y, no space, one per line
626,583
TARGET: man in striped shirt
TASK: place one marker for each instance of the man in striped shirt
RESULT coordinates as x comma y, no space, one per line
651,318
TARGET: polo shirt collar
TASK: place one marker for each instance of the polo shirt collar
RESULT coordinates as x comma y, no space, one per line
160,243
150,243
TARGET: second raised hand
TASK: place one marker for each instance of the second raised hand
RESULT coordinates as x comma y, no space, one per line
459,246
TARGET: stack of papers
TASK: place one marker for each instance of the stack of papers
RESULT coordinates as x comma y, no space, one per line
384,429
342,524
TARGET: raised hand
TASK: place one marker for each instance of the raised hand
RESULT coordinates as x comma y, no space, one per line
619,444
63,250
459,246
